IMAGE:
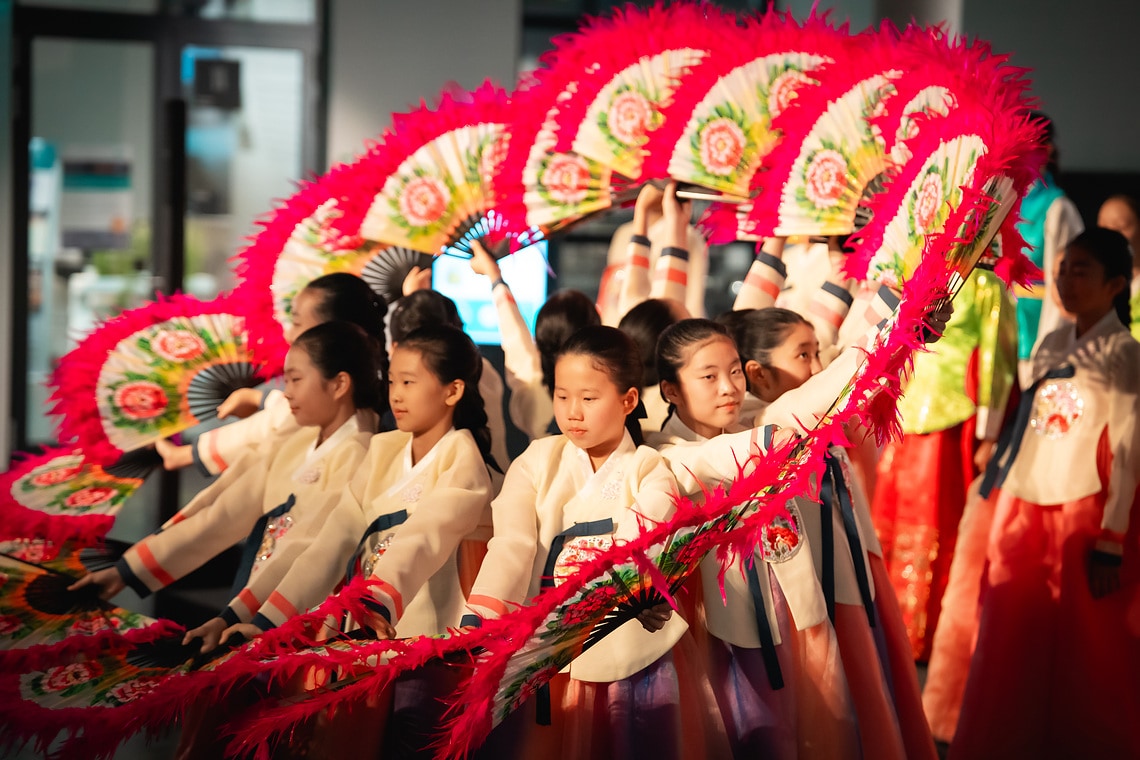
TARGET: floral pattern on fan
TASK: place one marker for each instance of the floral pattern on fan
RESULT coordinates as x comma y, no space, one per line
572,184
729,131
68,486
935,190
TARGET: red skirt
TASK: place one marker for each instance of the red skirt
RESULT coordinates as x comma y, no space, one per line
919,499
1056,673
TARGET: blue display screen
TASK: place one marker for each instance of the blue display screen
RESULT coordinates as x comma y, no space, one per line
526,273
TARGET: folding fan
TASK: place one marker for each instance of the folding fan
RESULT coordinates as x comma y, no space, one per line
813,180
719,125
152,372
42,622
584,126
430,181
312,233
939,74
956,182
59,496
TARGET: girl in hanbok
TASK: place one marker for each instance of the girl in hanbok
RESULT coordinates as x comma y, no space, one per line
420,490
1056,668
564,497
781,361
339,297
774,662
529,360
280,490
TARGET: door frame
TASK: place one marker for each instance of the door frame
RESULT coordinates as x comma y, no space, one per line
168,34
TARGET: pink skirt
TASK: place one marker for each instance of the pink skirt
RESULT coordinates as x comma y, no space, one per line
958,624
811,716
882,677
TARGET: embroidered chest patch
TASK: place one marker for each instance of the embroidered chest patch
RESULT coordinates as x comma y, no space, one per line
576,551
309,476
780,539
612,488
1056,409
275,529
412,493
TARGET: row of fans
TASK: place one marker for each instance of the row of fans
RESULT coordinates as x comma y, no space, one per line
791,128
790,125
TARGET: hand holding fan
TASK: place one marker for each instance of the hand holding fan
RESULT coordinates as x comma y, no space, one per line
41,622
157,370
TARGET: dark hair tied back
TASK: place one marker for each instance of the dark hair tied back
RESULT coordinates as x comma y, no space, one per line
564,313
674,344
451,355
335,347
615,354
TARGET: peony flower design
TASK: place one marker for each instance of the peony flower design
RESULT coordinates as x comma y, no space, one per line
178,345
783,89
90,496
89,626
424,200
129,691
826,178
141,399
492,158
928,202
722,144
35,550
56,476
9,624
629,117
566,178
62,677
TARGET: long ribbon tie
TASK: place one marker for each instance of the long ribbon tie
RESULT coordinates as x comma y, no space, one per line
592,528
1009,443
834,489
764,628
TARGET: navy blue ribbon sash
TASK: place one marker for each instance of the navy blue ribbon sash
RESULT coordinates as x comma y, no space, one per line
834,489
592,528
1011,437
253,544
381,523
763,627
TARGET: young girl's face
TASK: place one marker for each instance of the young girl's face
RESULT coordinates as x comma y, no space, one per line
710,387
420,401
312,397
303,314
1082,286
589,408
793,362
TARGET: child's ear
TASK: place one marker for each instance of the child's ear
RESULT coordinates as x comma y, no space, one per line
754,372
670,392
455,391
629,400
341,385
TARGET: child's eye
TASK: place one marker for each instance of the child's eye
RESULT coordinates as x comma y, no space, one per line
707,377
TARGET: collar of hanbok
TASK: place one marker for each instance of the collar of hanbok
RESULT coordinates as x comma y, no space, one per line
1053,353
351,427
627,446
